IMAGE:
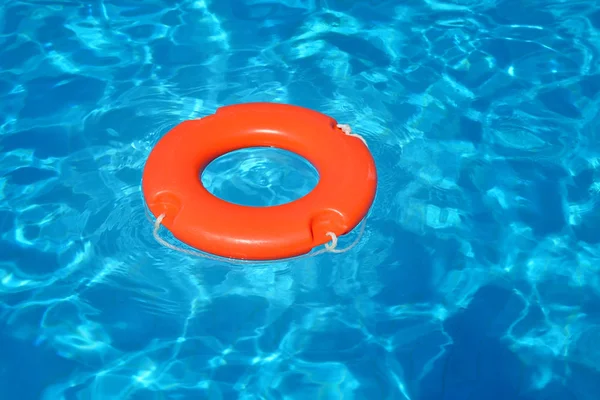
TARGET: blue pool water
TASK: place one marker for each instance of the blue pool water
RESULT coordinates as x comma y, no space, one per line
478,274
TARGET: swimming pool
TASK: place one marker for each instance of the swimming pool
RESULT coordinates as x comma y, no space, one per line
477,276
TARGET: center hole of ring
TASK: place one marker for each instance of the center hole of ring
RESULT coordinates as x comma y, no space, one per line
260,177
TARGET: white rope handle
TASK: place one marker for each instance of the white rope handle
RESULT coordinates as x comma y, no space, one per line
348,131
329,247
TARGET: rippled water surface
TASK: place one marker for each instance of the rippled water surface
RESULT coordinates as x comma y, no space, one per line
478,276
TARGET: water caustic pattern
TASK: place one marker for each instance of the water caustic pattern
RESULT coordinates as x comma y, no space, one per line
478,276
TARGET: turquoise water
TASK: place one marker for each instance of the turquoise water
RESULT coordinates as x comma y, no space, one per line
477,276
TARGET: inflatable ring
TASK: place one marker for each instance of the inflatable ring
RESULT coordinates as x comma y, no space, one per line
341,199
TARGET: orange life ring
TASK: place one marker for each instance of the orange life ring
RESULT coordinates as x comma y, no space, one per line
340,200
